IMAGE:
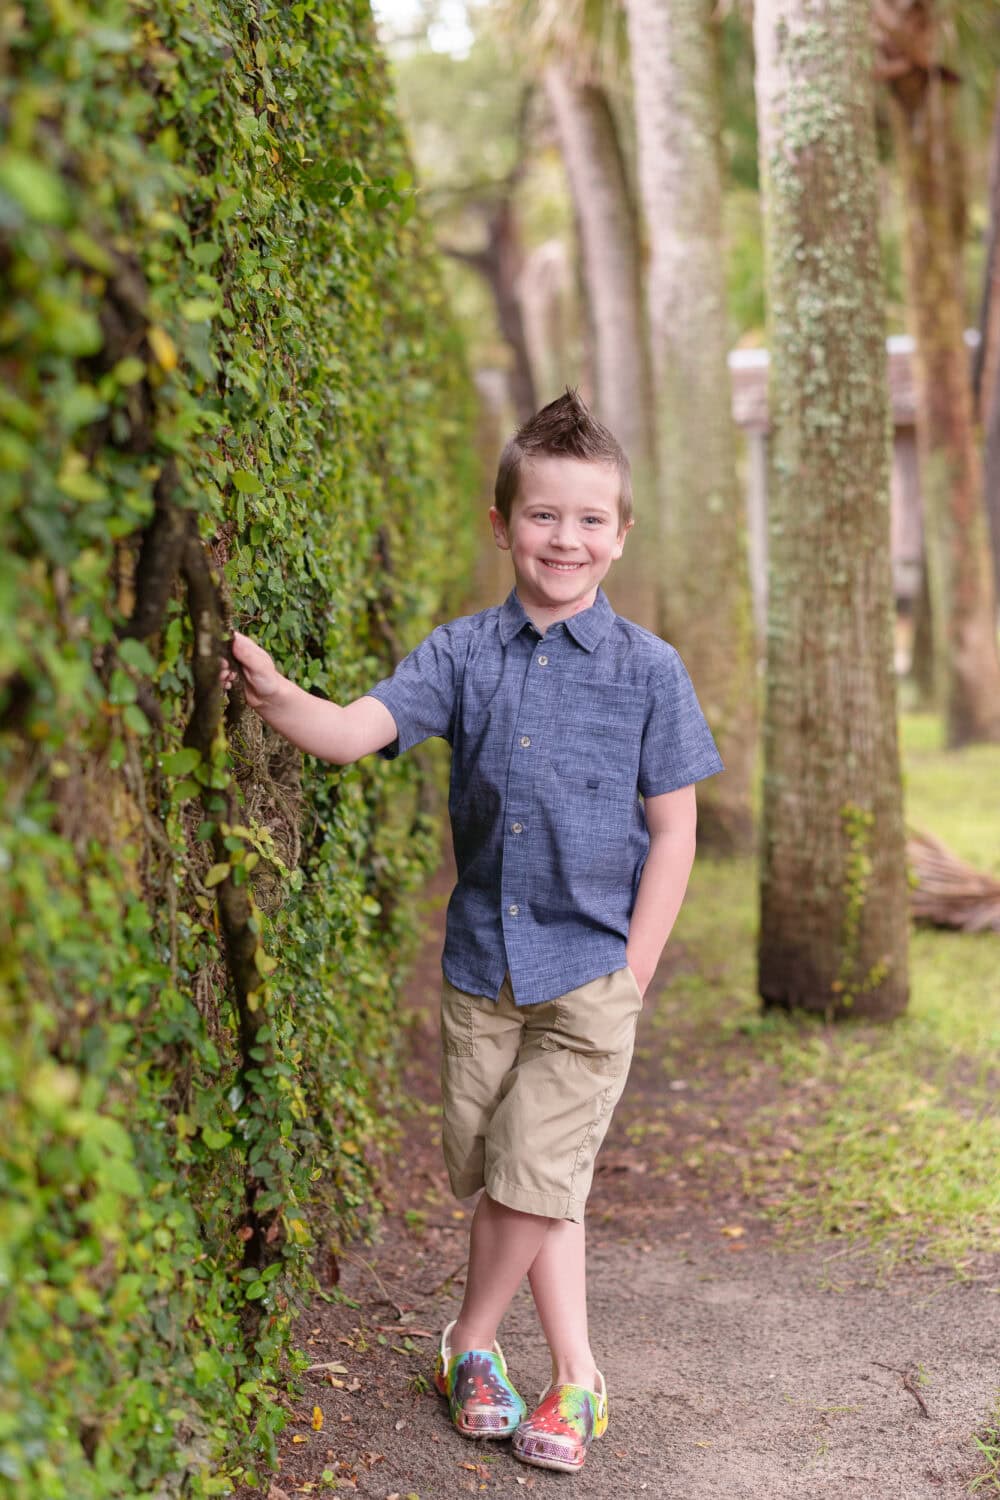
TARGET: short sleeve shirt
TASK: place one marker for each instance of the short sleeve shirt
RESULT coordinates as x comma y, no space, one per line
556,740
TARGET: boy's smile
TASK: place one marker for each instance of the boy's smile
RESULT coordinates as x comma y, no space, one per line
564,533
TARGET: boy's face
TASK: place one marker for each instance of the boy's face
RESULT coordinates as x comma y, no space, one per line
565,531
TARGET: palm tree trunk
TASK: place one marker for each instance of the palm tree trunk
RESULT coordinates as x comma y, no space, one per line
609,243
706,586
833,882
960,568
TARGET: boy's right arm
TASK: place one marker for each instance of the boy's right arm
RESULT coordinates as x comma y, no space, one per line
327,730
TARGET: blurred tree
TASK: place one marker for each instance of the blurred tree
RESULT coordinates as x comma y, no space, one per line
500,261
987,367
833,935
706,588
469,118
609,250
960,575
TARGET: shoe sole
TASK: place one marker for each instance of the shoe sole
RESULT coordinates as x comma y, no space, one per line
485,1434
549,1463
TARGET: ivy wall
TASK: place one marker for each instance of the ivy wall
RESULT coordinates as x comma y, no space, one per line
229,393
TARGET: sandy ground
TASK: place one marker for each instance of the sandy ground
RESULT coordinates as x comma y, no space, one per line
735,1367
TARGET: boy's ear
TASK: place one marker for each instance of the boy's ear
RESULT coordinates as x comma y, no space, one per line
499,529
620,544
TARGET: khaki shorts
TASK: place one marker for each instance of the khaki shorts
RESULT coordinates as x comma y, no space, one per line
528,1090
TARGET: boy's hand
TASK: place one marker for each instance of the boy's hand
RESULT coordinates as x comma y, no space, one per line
261,679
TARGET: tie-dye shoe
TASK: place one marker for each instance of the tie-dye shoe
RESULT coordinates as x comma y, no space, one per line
562,1426
481,1400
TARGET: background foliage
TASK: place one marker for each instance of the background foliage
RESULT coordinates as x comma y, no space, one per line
229,385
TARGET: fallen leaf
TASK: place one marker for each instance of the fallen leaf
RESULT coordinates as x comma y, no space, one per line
733,1231
354,1385
328,1365
317,1419
300,1438
400,1424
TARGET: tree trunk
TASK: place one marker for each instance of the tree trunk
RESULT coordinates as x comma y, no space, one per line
705,566
988,358
605,217
960,568
500,266
833,882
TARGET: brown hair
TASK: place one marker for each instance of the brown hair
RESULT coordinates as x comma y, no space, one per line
566,427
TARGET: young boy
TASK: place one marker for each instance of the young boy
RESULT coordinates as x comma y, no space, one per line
576,742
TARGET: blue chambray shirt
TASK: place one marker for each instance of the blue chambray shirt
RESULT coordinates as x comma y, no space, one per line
555,740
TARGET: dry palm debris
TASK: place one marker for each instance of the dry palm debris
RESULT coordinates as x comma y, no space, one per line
946,892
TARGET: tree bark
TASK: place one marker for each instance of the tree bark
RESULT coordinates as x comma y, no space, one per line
833,934
499,263
609,245
706,587
959,564
987,381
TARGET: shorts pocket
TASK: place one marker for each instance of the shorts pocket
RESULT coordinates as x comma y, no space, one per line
458,1023
635,982
606,1064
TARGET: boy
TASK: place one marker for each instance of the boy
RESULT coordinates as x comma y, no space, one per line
576,742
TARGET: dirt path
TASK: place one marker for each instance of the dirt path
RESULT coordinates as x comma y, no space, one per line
735,1368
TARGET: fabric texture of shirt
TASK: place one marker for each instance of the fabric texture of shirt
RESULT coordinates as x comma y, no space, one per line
555,740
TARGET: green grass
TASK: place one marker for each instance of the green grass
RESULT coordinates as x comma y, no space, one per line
987,1481
886,1133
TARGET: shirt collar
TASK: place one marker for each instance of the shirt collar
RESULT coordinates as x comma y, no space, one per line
588,628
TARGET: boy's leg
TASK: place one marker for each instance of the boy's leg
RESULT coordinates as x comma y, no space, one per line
504,1243
558,1279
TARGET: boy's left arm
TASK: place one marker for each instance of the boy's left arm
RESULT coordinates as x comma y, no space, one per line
671,819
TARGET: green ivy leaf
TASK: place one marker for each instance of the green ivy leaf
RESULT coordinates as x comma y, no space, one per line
180,762
247,483
133,716
199,309
34,188
134,653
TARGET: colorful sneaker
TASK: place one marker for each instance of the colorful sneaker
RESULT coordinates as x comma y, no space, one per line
560,1429
481,1400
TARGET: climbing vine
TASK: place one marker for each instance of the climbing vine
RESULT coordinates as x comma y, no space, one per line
230,394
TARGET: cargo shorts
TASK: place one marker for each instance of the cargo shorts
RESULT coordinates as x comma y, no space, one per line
528,1090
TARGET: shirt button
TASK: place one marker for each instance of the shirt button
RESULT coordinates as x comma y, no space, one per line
513,910
525,741
543,661
517,828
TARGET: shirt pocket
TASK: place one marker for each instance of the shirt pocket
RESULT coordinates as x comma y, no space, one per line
597,736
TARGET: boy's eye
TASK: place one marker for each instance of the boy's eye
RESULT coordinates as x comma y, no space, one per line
594,520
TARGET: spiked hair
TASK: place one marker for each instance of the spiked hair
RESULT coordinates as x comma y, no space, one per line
565,427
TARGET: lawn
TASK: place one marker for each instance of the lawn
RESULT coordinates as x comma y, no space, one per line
888,1135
